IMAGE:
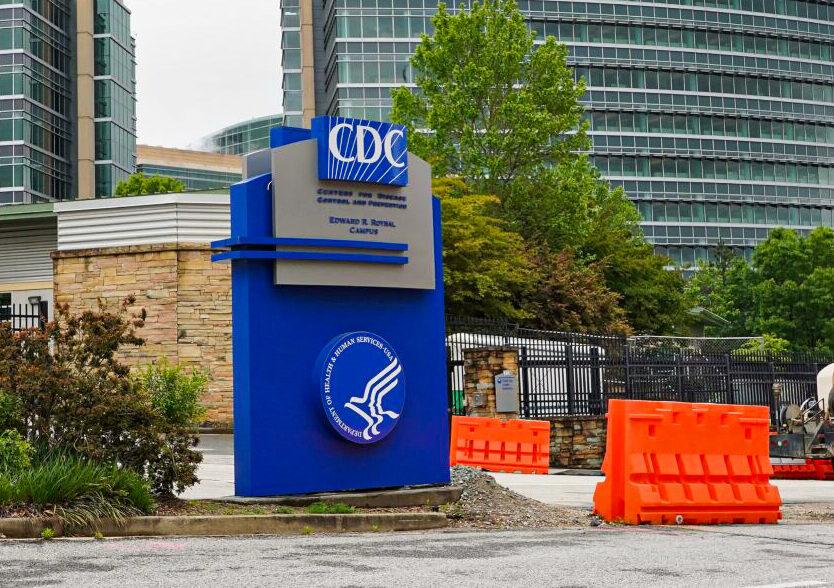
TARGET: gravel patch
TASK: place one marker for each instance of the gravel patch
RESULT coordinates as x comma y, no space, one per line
485,504
808,512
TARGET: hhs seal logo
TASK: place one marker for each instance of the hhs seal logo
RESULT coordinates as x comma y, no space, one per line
362,386
354,150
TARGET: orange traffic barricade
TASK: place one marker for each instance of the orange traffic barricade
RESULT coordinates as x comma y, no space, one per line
811,469
501,446
684,463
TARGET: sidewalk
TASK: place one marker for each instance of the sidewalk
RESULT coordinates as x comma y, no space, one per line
578,491
217,472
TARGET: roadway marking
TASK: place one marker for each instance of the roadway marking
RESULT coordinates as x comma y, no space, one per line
805,584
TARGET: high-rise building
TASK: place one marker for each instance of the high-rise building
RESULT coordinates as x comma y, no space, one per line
115,95
716,116
67,99
244,137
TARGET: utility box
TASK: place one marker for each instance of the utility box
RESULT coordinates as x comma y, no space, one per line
506,392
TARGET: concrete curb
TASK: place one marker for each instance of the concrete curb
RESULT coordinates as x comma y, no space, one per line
397,498
202,526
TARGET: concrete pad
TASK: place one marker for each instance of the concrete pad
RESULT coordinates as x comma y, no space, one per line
217,472
559,490
578,491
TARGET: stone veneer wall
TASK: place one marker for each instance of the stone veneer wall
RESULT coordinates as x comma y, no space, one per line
187,299
480,366
577,442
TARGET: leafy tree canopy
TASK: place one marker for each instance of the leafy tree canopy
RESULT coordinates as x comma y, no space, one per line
496,108
487,270
140,185
504,116
786,292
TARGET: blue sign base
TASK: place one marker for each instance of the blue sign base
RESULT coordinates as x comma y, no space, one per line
284,443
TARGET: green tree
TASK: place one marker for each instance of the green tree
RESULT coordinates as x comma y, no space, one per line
140,185
786,291
503,114
497,109
570,296
487,271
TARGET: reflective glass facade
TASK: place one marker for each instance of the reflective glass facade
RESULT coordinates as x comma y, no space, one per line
245,137
35,101
291,61
115,96
716,116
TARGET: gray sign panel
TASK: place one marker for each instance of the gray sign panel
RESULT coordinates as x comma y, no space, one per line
307,208
506,392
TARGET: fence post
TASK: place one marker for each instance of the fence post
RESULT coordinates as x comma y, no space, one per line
43,314
569,380
679,378
450,395
729,379
627,373
596,393
774,410
525,383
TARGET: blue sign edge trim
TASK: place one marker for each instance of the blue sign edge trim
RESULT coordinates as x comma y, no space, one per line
310,256
301,242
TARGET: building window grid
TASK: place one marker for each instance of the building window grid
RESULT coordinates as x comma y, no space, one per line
749,163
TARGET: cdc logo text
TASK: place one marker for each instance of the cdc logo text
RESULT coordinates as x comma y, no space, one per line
354,150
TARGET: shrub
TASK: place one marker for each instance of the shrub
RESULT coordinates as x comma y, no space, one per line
48,533
11,412
175,393
15,452
75,393
77,490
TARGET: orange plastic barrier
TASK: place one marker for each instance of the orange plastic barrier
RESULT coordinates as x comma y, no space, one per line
675,462
501,446
812,469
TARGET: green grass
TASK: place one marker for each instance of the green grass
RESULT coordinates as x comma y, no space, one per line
47,534
330,508
80,492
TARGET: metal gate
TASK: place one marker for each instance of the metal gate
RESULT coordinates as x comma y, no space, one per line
576,374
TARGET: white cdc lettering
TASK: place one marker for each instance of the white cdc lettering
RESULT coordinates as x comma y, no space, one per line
380,146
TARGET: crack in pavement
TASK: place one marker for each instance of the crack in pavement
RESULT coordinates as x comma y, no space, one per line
795,540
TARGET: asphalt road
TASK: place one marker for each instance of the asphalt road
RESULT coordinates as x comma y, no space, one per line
787,556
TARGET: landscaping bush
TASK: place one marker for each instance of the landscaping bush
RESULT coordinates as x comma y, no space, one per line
75,394
15,452
77,490
175,393
11,412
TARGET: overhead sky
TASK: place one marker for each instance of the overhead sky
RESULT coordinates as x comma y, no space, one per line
203,65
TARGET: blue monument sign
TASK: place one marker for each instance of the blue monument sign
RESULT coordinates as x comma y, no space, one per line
337,310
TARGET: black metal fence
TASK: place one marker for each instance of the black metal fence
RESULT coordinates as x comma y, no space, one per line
25,316
576,374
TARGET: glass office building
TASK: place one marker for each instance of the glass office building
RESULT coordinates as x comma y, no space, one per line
245,137
35,101
44,143
115,96
291,61
716,116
